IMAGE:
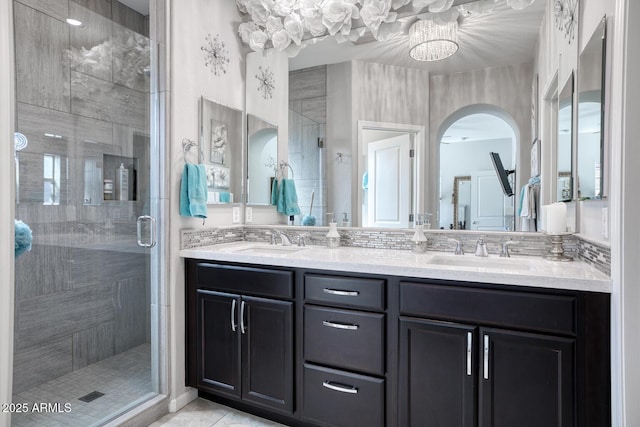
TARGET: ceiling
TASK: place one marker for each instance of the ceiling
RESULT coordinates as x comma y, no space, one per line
140,6
504,36
477,127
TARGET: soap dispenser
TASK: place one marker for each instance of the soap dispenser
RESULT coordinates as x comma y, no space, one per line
333,237
419,239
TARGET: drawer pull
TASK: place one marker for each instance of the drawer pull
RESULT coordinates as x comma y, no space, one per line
340,325
340,388
486,357
341,293
469,350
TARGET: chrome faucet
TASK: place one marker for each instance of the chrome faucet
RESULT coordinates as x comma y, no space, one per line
481,248
284,239
504,253
458,250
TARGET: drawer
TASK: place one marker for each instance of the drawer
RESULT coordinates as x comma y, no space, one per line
345,291
338,398
243,280
345,339
539,312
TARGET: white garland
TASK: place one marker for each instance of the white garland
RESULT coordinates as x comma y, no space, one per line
285,24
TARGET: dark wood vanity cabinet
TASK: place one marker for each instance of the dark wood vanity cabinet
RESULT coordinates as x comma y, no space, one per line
240,346
482,357
344,351
311,348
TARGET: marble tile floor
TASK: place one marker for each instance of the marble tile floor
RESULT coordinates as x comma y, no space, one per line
125,380
203,413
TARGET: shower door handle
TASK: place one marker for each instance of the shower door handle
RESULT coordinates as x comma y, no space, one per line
152,231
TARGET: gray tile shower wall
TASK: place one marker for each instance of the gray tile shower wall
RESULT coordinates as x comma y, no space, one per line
82,292
527,244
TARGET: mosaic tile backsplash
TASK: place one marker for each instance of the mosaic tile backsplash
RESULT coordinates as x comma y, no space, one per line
525,244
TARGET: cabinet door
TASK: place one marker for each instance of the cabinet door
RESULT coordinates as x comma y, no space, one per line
437,374
526,380
267,352
218,346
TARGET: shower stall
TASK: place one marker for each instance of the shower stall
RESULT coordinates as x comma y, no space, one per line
87,155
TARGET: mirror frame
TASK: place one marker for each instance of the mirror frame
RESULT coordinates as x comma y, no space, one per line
600,30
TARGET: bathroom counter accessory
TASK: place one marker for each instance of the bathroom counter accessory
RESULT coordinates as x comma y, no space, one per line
517,270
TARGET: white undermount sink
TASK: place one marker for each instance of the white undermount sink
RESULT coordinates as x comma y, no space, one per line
481,262
274,250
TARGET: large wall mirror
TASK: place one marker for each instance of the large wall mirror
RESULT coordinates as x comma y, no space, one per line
333,86
591,115
221,151
262,159
564,157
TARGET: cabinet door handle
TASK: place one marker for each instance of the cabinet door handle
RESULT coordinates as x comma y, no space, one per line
233,315
243,327
340,325
340,388
486,357
341,293
469,350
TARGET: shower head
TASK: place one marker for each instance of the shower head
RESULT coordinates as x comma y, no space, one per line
20,141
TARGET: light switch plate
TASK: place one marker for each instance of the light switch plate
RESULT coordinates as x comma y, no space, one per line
248,214
235,215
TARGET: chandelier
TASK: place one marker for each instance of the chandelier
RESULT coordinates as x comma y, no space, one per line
430,41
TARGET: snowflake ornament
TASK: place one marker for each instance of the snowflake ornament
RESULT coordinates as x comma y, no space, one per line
267,82
216,55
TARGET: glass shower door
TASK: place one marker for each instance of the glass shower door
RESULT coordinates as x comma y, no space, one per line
84,333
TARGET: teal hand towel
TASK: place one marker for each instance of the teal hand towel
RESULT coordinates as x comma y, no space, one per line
193,191
274,192
288,198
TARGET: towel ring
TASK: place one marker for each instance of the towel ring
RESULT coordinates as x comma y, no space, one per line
284,164
186,147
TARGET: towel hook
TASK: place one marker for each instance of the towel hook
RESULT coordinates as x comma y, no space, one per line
186,147
284,164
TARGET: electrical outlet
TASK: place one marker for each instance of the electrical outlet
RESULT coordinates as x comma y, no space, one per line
248,214
605,223
235,218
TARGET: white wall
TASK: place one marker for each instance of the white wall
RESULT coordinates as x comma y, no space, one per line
7,174
463,159
190,23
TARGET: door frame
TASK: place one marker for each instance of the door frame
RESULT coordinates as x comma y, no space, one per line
7,209
418,178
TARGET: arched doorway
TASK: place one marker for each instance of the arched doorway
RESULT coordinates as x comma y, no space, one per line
471,196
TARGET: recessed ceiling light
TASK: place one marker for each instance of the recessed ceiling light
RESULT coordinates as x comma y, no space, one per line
74,22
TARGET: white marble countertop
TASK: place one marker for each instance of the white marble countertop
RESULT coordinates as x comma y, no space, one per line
520,271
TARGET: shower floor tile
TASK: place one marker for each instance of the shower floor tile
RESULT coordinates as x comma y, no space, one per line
124,379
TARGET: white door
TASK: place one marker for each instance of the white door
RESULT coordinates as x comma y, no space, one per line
389,189
487,202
